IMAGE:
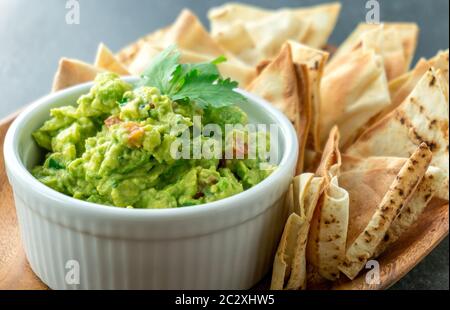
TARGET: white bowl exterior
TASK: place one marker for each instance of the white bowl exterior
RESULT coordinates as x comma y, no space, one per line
228,244
233,258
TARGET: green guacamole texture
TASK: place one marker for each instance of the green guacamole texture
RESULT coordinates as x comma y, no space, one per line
113,148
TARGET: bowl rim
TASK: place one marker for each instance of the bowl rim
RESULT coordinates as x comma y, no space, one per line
15,166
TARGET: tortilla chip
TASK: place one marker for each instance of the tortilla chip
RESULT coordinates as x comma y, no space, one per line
422,117
107,61
289,269
253,34
328,233
393,33
370,219
354,89
413,209
72,72
284,85
315,61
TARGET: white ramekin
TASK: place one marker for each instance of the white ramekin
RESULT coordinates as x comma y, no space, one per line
73,244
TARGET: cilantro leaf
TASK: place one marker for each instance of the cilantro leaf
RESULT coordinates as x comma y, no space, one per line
160,72
199,83
208,91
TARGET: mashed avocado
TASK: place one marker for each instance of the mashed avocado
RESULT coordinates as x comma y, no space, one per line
113,148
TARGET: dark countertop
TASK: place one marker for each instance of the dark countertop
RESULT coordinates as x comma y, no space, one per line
34,35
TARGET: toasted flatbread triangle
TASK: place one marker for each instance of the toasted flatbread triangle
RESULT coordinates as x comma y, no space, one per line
229,14
369,179
285,253
188,33
73,72
271,32
413,209
289,270
332,235
240,73
407,32
238,41
315,60
371,216
328,233
107,61
258,39
331,160
354,89
439,62
422,117
127,54
387,43
278,84
310,191
284,85
401,87
321,18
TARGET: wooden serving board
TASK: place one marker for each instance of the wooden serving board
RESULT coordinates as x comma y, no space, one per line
407,252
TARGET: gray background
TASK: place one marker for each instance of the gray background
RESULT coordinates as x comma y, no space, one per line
34,35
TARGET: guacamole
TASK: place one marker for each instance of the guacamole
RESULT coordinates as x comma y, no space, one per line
113,148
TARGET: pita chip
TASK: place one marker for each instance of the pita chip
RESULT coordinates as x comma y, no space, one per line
289,269
422,117
271,32
194,43
315,61
413,209
107,61
328,233
371,216
254,34
393,33
373,175
278,84
240,73
72,72
127,55
284,84
353,90
256,40
188,33
322,19
401,87
399,94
